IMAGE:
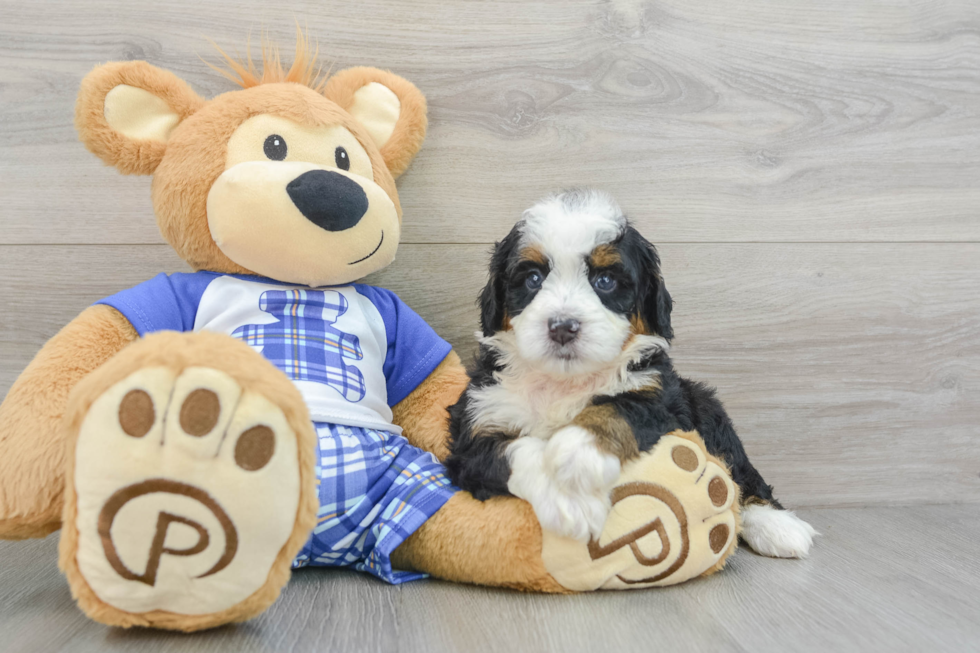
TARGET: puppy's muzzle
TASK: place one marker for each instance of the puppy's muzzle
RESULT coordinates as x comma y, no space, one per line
328,199
563,330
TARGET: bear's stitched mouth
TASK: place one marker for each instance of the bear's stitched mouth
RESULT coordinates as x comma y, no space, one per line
373,252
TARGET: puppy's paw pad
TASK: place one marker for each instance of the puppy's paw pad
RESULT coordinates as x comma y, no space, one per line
187,487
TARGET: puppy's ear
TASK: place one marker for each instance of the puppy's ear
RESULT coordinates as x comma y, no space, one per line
663,306
390,108
654,303
494,294
126,111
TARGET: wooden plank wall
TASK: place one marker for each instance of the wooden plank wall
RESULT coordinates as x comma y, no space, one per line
811,172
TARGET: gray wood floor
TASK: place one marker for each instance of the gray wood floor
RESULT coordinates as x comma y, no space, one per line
881,579
811,172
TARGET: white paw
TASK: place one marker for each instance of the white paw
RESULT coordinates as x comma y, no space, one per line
567,482
577,465
578,517
776,533
187,489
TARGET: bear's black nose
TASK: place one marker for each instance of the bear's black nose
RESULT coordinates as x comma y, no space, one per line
328,199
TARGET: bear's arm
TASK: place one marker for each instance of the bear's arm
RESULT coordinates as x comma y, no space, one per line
32,482
423,414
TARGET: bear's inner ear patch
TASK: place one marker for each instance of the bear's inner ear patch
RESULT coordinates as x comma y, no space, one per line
138,114
377,108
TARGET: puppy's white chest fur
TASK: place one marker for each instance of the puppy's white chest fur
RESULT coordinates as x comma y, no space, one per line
529,402
535,405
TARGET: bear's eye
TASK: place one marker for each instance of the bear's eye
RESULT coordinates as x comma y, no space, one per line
340,156
275,147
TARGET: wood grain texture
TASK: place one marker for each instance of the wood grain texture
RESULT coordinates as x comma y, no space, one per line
813,173
879,579
851,371
711,121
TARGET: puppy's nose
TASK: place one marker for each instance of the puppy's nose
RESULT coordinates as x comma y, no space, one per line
328,199
563,330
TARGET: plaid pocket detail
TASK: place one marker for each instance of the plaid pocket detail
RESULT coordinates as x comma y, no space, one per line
304,344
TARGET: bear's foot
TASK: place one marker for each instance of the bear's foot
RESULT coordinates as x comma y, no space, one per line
674,516
190,492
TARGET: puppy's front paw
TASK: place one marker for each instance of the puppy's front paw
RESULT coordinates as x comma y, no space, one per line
577,465
569,491
580,517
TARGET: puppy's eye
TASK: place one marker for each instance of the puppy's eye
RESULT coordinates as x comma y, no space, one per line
534,280
275,147
340,156
604,283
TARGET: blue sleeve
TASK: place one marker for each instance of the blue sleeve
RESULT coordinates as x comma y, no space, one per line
164,303
414,348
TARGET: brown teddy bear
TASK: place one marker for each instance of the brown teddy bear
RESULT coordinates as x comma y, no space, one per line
199,435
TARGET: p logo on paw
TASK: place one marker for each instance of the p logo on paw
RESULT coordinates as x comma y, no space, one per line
674,517
159,545
187,495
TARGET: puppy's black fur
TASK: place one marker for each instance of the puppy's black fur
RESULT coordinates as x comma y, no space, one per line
478,463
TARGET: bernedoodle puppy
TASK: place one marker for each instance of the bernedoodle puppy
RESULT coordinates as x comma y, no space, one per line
575,314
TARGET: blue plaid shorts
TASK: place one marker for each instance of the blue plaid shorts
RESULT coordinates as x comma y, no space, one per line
375,490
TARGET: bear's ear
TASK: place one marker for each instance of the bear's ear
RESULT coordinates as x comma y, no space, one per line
127,110
391,109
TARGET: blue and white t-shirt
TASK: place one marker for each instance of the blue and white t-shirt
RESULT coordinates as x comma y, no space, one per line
353,351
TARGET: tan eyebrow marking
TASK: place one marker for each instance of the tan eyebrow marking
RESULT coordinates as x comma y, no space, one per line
604,256
534,253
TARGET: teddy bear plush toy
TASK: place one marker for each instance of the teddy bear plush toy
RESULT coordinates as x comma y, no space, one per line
197,436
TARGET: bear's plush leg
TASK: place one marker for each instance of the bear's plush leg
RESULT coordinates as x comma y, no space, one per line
32,442
495,542
189,486
674,516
